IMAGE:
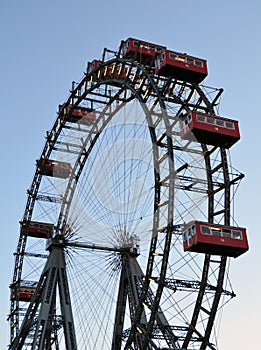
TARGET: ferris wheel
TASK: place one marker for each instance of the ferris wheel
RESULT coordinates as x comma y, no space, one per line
127,234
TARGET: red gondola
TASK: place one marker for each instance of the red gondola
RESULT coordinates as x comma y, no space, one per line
203,237
24,292
108,71
93,65
81,115
209,129
37,229
54,168
142,51
181,66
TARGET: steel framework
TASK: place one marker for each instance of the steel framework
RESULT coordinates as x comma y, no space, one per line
185,177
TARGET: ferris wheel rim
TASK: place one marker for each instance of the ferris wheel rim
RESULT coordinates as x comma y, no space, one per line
47,152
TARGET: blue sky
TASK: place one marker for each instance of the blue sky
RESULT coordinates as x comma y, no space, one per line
46,44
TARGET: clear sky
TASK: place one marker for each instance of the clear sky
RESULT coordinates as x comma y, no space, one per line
46,44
